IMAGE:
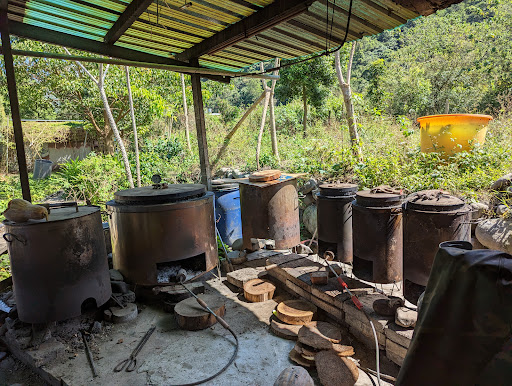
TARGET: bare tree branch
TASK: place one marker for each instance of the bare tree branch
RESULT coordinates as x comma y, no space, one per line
349,68
83,68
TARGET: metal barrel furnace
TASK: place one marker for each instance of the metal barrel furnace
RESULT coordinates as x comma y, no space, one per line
158,229
270,209
377,235
334,220
430,218
227,210
58,264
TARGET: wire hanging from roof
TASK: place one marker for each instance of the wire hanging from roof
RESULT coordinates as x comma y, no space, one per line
325,53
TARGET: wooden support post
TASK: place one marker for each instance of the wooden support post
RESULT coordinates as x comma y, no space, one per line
13,98
202,142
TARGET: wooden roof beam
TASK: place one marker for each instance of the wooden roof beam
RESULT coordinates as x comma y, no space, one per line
273,14
126,19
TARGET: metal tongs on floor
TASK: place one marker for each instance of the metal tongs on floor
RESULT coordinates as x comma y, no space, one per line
131,362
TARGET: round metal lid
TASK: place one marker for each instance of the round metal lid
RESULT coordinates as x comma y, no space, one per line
367,198
337,190
224,184
150,195
434,200
265,175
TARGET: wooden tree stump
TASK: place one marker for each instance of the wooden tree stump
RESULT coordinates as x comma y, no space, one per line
258,290
191,316
295,311
265,175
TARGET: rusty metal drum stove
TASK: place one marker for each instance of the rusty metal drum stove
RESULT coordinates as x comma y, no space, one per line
430,218
162,226
334,220
58,264
377,235
270,210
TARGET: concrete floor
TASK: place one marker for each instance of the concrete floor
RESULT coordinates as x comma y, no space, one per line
175,357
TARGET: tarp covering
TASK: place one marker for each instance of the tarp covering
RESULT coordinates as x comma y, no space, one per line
463,333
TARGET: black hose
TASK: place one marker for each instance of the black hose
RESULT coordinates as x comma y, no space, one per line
221,370
231,360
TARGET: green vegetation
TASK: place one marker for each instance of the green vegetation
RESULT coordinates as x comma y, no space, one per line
457,60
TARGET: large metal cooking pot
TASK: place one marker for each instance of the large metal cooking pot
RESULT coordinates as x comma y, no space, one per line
58,264
162,224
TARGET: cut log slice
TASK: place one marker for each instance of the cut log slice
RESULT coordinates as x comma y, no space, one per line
300,360
342,350
295,311
284,330
322,336
191,316
265,175
335,371
306,353
258,290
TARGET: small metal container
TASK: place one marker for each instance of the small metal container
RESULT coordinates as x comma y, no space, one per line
58,264
377,235
430,217
334,220
162,226
270,210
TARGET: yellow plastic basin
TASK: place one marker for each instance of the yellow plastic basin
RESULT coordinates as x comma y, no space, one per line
452,133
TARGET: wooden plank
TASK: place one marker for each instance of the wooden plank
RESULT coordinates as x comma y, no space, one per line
273,14
206,177
14,103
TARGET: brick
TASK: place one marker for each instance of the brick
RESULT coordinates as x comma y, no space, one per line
298,290
334,312
363,332
351,311
241,276
395,352
398,334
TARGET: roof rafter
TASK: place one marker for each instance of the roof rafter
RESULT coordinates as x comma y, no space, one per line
268,17
126,19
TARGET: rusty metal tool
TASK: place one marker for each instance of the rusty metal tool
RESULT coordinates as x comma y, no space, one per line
131,362
89,355
344,285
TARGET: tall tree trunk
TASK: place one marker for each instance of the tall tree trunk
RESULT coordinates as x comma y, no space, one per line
113,126
134,126
273,133
347,99
305,100
266,90
185,112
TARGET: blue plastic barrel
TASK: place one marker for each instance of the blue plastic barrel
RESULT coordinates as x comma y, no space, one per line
227,210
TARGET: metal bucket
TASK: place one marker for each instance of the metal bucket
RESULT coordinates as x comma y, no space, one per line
334,220
430,217
150,227
228,214
42,169
59,264
377,235
270,210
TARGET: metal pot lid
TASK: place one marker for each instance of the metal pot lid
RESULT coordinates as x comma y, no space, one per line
60,214
367,198
169,193
337,190
434,200
224,184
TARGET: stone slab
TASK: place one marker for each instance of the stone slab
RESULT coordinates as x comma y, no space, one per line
241,276
395,352
398,334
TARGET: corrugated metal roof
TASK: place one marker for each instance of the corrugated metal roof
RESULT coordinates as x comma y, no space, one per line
166,28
